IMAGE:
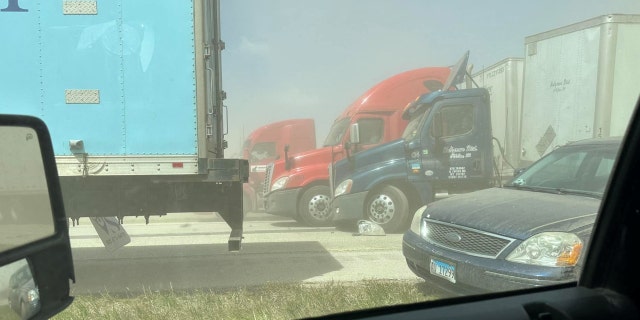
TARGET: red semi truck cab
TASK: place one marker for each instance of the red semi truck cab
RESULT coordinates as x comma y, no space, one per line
265,145
297,184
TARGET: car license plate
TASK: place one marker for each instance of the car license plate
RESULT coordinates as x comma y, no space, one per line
443,270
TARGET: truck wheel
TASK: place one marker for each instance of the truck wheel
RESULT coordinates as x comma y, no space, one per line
389,208
314,208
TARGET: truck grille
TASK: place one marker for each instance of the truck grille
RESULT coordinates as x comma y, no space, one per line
466,240
268,175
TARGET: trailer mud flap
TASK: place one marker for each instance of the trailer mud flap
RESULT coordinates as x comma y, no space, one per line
235,172
233,215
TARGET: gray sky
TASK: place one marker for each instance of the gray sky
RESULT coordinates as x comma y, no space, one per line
310,59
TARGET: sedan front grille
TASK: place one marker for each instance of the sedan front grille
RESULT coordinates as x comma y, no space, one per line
466,240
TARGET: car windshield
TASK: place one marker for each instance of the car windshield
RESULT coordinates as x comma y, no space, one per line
582,170
152,106
336,132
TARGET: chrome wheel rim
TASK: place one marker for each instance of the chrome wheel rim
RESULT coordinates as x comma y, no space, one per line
382,209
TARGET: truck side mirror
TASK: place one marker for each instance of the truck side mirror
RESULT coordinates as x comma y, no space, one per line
35,252
354,133
287,161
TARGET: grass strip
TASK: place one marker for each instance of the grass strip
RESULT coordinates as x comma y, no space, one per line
269,301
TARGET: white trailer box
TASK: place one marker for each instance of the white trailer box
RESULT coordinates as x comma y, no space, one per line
504,82
578,83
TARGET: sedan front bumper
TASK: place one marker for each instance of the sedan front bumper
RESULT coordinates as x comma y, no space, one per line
475,275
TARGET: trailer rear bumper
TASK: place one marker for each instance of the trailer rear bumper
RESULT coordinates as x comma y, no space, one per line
118,196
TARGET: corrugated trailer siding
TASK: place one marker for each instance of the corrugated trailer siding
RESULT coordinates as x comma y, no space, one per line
559,91
625,84
142,67
504,82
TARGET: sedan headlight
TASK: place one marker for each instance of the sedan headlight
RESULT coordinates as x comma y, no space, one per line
416,223
32,295
280,183
343,188
551,249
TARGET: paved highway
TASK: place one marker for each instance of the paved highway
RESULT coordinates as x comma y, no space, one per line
189,251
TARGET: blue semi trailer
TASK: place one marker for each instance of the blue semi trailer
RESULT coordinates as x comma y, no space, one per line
131,92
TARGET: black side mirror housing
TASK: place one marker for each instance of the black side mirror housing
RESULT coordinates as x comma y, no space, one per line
34,242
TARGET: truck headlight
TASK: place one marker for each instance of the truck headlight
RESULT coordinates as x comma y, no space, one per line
416,223
280,183
343,188
551,249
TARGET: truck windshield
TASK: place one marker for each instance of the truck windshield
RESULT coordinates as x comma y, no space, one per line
414,125
337,132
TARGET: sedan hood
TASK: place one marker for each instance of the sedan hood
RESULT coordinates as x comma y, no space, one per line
516,213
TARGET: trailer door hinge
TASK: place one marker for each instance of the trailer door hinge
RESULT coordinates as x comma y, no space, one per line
219,45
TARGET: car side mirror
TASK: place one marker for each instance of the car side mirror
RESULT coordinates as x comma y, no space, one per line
518,171
35,252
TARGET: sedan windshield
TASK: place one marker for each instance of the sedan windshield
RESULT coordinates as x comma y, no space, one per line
571,170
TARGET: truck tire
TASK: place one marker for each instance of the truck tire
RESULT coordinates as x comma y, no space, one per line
389,208
314,208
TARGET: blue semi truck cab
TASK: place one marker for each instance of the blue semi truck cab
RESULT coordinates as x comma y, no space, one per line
446,147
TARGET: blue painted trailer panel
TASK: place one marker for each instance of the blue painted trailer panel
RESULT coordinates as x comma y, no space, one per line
142,66
19,63
161,107
82,52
